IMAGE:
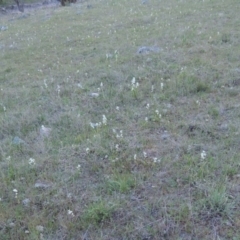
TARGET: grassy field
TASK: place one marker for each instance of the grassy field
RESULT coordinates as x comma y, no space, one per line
141,105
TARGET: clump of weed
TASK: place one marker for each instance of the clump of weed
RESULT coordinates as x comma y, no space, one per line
98,212
216,203
120,183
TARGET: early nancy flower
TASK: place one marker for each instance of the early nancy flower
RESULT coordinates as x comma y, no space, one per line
161,86
70,212
203,155
156,160
134,84
152,88
104,120
31,161
16,192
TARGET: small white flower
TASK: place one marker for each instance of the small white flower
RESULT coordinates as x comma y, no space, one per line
145,154
146,119
44,131
133,81
58,89
155,160
104,120
87,150
101,84
45,83
161,85
70,212
8,158
78,167
134,84
16,192
152,88
92,125
117,108
135,156
94,94
148,105
117,147
120,134
157,112
203,155
80,85
31,161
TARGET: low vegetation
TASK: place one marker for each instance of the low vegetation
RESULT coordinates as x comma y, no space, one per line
120,120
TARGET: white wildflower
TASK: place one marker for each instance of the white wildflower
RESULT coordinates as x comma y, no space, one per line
104,120
31,161
87,150
152,88
44,131
16,192
148,105
134,84
58,89
203,155
94,94
145,154
146,119
45,83
156,160
117,108
70,212
78,167
133,81
161,86
135,156
120,135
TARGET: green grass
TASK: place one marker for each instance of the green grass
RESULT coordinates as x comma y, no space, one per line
141,172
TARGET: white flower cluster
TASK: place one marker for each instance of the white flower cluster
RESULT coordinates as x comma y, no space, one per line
99,124
120,135
31,161
203,155
16,192
135,84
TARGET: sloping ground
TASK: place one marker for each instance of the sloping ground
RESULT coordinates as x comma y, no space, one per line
120,120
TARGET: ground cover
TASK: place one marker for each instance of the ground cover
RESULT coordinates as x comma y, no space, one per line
120,120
